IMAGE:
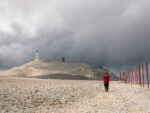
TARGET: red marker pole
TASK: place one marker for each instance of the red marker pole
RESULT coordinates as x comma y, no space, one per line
131,77
128,77
124,76
139,76
143,73
120,76
135,76
147,74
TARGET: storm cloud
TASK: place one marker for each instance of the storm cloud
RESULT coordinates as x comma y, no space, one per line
110,33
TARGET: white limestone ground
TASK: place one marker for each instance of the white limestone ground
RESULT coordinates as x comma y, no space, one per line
29,95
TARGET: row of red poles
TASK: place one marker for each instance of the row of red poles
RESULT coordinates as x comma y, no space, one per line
135,77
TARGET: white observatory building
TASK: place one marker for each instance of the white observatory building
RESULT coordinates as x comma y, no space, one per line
37,55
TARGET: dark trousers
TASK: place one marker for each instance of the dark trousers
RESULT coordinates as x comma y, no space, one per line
106,86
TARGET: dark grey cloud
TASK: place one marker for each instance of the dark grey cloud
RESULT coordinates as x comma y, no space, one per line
108,33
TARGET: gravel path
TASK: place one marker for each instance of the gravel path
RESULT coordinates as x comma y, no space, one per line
29,95
122,98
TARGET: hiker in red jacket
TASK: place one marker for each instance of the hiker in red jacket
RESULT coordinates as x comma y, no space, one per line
106,81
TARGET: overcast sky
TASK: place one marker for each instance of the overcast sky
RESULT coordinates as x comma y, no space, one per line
114,34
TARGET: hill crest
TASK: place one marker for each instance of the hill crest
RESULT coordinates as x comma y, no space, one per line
56,69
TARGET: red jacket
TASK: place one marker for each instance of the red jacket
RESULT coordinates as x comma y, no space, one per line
106,78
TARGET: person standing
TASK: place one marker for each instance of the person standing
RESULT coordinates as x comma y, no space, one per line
106,81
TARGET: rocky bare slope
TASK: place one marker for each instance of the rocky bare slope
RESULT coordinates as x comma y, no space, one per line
30,95
57,70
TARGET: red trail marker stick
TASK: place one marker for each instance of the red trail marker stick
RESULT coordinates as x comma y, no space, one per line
147,74
120,76
143,73
131,77
128,77
139,76
124,76
135,76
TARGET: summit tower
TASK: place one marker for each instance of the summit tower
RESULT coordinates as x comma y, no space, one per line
37,55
